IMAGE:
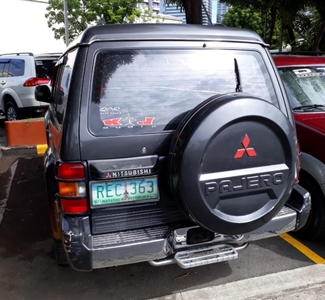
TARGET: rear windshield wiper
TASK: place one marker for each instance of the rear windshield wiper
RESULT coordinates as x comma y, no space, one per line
310,106
239,88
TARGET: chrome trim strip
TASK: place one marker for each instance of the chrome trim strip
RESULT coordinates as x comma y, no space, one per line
243,172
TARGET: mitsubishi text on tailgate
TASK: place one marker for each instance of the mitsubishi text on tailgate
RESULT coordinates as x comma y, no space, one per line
168,144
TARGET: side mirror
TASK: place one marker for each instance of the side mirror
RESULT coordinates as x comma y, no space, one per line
43,93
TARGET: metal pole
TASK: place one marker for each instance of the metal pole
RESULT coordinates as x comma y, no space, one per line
66,25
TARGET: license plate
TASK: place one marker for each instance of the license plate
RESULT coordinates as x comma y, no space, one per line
124,191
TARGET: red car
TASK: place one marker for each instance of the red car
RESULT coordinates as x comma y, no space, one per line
304,80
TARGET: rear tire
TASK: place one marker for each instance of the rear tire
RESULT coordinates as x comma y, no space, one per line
11,112
59,253
315,225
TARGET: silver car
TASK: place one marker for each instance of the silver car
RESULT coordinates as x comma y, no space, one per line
20,73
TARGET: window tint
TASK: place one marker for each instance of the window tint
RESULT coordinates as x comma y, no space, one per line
16,67
58,91
60,87
304,85
64,90
149,91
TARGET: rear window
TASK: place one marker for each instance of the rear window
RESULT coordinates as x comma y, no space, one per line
304,85
44,68
147,91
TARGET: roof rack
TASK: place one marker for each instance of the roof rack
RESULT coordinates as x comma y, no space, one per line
48,53
18,53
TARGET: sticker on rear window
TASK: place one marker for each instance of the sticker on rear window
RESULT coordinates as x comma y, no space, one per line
128,122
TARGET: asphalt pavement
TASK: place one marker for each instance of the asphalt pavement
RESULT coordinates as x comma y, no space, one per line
306,283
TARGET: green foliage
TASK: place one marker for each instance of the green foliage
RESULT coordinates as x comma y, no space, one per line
283,18
247,18
82,13
250,18
307,24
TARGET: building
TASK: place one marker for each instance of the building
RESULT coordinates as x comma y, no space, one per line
158,18
153,5
175,11
221,11
207,12
158,15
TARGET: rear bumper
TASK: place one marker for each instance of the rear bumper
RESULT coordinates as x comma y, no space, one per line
164,244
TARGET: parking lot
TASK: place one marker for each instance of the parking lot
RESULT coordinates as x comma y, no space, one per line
28,269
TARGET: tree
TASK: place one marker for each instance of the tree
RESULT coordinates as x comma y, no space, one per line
248,18
285,12
320,37
304,29
82,13
266,7
252,19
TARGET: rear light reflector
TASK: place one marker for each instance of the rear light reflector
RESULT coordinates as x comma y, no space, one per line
68,189
74,206
299,163
71,171
72,189
34,81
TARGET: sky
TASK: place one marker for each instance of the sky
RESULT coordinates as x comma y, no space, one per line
24,28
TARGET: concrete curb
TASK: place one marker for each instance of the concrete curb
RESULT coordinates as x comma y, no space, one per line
302,283
37,150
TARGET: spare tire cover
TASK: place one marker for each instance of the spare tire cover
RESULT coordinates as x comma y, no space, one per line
233,163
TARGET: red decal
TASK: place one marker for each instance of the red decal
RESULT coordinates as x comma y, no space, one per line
239,153
147,121
112,122
250,151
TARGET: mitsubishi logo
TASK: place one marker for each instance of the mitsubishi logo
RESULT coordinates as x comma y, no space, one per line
250,151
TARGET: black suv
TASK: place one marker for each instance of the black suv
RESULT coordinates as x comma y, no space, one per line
168,144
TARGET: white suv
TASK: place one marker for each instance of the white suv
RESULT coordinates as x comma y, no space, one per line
19,74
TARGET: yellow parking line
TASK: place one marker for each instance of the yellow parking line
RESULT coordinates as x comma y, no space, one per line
303,249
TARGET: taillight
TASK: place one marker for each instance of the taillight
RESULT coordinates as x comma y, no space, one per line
74,206
43,80
71,171
34,81
72,188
